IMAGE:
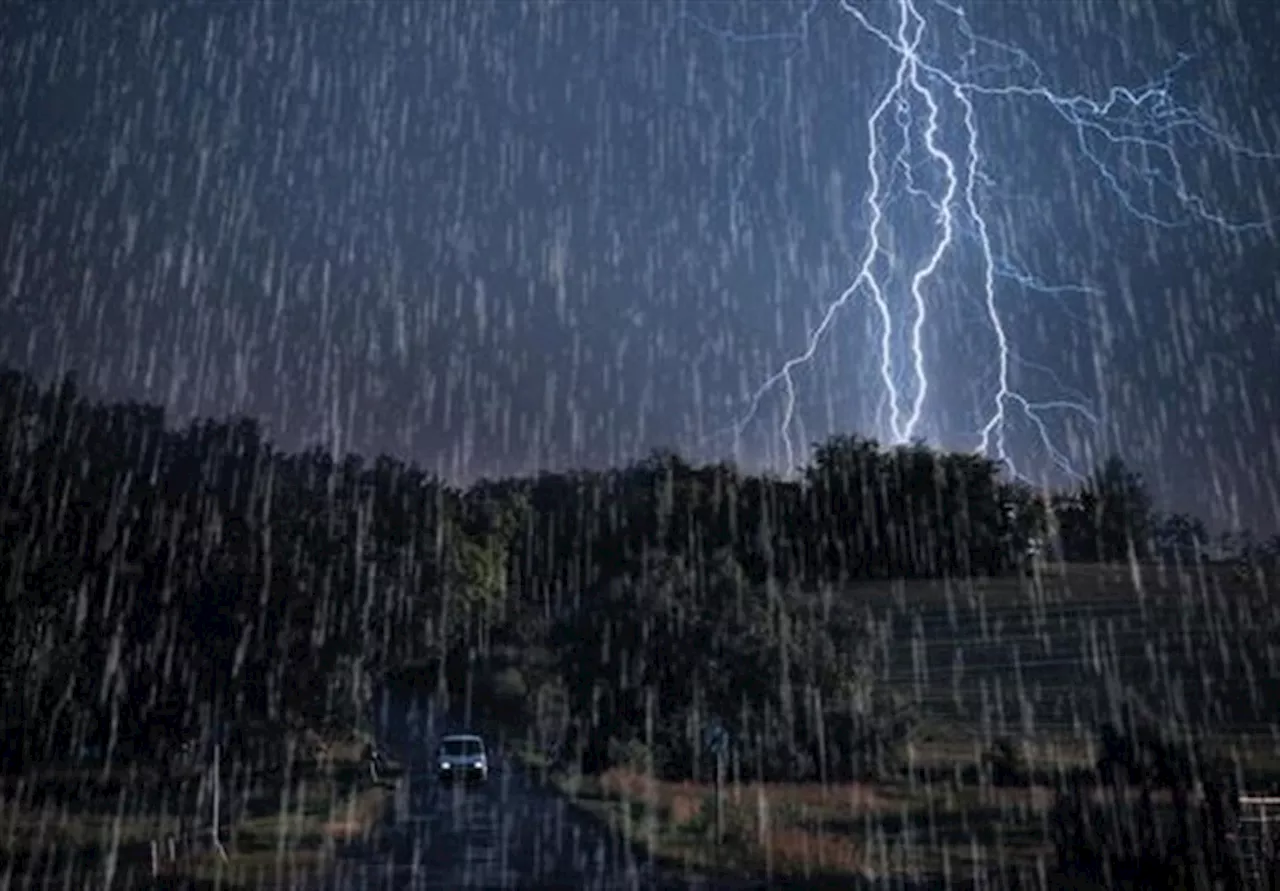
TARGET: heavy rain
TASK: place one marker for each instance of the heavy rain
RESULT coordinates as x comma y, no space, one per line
534,444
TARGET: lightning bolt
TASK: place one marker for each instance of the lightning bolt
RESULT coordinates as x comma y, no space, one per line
1144,122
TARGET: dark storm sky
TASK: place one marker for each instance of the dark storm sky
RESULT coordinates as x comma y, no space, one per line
493,236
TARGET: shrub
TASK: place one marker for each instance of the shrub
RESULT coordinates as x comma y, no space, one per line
632,755
509,685
1006,763
1120,836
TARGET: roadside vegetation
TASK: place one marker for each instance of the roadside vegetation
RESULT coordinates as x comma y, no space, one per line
821,639
139,825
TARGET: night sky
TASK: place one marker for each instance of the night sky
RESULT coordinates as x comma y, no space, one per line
492,237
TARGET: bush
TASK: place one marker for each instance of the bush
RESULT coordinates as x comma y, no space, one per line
509,686
508,696
1148,755
632,755
879,740
1190,847
1005,763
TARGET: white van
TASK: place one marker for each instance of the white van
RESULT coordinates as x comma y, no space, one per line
462,757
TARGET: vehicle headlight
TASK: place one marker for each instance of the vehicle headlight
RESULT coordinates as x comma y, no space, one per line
480,764
445,765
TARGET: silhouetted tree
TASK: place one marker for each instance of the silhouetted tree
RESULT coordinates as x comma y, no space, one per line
1180,538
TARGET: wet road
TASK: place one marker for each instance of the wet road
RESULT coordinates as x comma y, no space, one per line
511,833
508,834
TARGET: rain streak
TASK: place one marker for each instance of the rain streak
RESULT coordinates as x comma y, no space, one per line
691,444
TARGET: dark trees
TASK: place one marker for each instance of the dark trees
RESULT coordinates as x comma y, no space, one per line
151,575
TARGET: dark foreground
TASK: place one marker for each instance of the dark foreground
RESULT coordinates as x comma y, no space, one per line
511,833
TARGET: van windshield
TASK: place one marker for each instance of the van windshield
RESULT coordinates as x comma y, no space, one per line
454,748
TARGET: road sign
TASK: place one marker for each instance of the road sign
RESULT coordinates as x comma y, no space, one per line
716,738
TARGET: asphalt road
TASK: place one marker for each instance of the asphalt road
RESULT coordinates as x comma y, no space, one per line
512,833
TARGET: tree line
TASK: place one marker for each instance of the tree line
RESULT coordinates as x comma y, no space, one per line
158,579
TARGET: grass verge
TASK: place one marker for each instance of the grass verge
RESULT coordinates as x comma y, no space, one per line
99,825
298,839
800,831
955,826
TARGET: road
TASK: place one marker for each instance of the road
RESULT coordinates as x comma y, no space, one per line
512,833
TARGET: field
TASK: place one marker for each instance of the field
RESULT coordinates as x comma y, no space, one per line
1043,658
75,825
1041,661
